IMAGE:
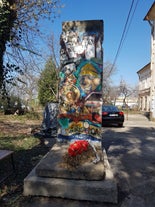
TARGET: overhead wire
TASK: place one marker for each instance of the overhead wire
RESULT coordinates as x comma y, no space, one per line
125,31
130,22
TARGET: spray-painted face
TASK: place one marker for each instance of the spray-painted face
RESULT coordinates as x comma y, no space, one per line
89,78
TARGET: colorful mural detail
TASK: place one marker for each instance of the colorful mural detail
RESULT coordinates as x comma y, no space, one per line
80,85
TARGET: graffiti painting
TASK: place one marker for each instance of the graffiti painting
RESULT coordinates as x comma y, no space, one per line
80,86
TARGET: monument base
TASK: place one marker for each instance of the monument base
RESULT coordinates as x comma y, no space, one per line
54,164
92,182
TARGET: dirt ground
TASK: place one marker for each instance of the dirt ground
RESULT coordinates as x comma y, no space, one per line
10,125
11,190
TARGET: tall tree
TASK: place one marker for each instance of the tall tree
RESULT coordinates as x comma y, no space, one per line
48,84
7,17
19,27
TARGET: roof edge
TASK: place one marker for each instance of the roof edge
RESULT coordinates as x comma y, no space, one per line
148,15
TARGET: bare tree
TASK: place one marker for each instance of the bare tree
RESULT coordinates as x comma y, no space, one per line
108,71
26,84
54,48
126,91
20,30
114,94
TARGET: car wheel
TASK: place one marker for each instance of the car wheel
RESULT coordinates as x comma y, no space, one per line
120,124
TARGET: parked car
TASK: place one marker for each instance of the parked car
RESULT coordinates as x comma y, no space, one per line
112,115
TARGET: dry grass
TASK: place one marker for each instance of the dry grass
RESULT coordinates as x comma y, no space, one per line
16,134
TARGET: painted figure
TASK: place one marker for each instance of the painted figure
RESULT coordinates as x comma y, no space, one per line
80,87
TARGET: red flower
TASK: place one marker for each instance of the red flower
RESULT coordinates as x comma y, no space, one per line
78,147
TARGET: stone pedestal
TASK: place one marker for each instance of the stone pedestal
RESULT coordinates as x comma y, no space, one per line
93,182
53,165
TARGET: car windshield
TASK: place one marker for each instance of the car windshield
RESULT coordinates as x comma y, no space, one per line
110,108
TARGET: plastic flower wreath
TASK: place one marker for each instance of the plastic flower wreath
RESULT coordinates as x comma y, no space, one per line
77,147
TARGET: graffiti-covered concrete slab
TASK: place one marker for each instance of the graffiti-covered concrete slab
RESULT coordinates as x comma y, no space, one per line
80,88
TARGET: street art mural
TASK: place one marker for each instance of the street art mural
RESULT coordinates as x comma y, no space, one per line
80,86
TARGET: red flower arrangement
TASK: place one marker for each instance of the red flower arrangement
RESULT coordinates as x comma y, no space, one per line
78,147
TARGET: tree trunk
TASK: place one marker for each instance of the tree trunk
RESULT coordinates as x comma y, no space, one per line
7,18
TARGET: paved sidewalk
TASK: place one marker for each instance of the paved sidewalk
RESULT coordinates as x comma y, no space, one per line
138,120
131,153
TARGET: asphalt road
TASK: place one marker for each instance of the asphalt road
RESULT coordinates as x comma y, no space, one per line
131,153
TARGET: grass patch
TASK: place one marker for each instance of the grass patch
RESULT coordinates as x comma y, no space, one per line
21,142
33,115
15,135
22,118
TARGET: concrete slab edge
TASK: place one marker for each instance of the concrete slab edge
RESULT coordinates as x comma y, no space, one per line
101,191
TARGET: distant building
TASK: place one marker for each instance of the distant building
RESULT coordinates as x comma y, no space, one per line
144,75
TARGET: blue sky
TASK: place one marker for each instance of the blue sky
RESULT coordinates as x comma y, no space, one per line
135,51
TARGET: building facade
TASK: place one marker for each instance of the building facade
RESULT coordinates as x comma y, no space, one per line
144,75
147,73
150,17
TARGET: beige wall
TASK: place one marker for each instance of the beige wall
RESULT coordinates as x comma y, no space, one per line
152,108
144,88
